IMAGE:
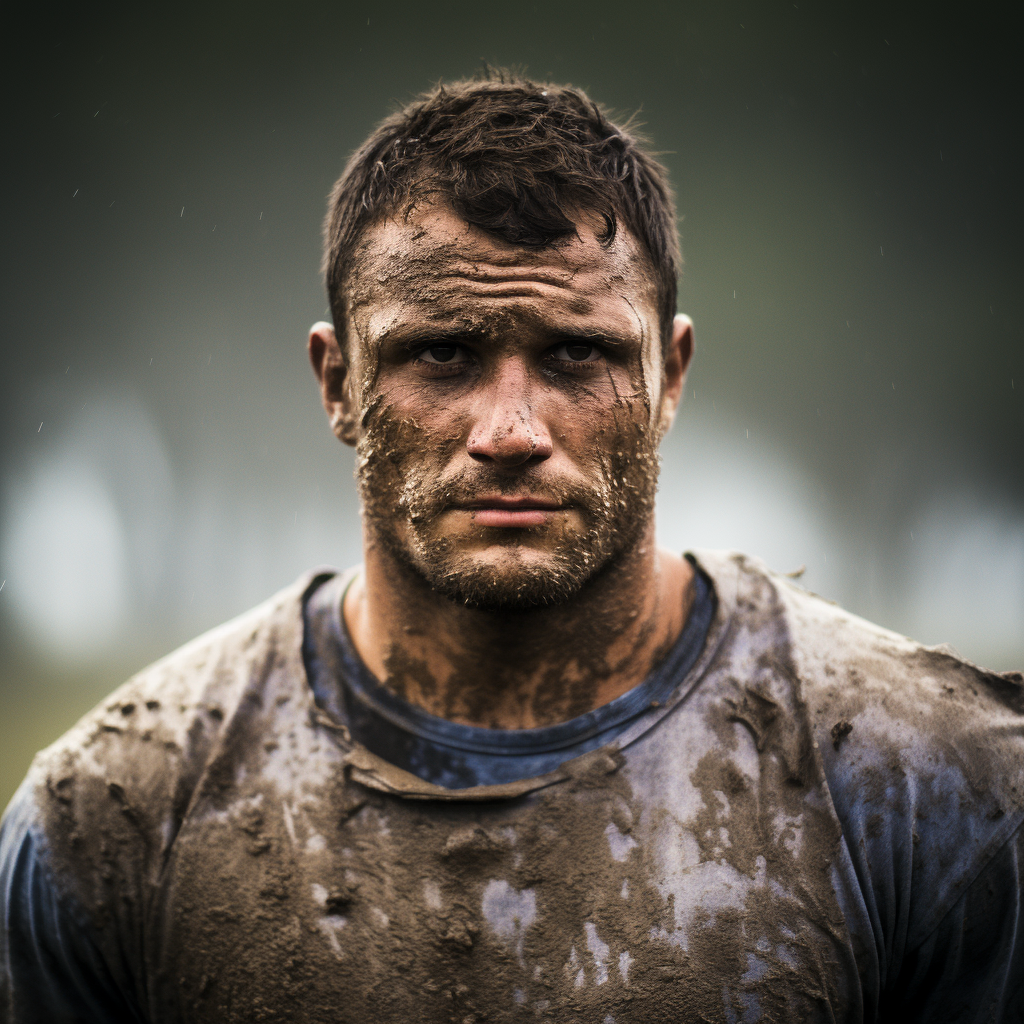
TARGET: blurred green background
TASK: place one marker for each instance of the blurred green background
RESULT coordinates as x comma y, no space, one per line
849,181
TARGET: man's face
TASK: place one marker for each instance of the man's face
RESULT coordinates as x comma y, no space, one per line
508,406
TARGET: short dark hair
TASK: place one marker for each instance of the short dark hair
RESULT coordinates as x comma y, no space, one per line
517,158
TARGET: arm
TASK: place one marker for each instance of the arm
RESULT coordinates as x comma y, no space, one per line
970,969
51,969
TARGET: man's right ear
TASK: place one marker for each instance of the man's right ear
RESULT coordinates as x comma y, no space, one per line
335,381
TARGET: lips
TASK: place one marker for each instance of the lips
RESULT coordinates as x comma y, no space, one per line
505,511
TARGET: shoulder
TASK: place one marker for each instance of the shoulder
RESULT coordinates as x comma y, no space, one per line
110,795
923,751
869,688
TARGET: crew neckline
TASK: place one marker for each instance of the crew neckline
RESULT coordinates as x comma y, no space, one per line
401,732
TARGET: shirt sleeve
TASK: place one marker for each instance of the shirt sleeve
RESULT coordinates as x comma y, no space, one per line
970,969
51,969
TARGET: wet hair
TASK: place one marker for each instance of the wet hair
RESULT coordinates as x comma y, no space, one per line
519,159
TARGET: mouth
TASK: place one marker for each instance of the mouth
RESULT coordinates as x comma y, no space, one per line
508,511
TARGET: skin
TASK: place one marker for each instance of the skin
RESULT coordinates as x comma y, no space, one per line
506,406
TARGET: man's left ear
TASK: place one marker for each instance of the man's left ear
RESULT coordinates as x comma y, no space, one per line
677,362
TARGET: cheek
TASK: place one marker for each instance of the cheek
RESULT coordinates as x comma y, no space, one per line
396,452
650,381
631,456
611,417
434,435
385,440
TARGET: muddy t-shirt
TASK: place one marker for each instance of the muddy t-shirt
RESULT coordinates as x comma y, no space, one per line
454,755
820,822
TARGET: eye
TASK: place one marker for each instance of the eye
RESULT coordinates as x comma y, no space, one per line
442,354
576,352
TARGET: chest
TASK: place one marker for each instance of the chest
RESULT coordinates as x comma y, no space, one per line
658,891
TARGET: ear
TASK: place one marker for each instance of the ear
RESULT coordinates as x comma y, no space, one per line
332,373
677,362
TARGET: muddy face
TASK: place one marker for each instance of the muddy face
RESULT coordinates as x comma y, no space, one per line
508,405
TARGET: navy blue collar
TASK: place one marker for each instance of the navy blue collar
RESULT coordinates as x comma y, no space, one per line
455,755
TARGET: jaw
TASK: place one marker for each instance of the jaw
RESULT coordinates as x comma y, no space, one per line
448,553
502,570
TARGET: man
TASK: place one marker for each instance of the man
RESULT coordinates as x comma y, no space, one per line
522,764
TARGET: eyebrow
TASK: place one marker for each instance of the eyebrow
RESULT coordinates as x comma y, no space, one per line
408,338
412,337
610,339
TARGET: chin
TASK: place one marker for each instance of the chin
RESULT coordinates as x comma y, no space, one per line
512,582
535,572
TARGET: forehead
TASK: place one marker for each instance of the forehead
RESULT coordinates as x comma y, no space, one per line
432,267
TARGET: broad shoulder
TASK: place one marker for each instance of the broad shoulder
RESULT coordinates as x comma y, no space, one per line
127,771
886,684
197,686
922,750
871,689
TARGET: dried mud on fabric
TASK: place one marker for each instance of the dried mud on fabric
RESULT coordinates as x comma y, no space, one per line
243,860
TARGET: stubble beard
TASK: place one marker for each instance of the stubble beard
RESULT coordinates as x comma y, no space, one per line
403,497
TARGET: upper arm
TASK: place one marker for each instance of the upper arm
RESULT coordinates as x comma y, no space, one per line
51,967
970,969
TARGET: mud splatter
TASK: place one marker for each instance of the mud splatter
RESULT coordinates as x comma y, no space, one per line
267,884
513,668
695,875
840,731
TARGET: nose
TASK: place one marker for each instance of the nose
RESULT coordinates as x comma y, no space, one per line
507,429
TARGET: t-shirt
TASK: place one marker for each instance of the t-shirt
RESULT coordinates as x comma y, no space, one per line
820,822
454,755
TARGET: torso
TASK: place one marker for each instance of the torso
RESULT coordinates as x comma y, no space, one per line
695,870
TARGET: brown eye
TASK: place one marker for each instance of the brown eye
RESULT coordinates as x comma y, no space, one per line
576,353
443,354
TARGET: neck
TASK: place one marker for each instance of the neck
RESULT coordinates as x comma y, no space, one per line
519,669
